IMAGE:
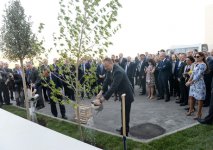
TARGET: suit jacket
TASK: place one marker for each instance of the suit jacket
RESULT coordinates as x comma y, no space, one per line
100,71
120,83
176,68
181,71
32,75
8,70
142,67
165,68
210,62
17,80
3,75
82,72
130,69
53,77
122,63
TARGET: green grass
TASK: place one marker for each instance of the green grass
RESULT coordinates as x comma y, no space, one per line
199,137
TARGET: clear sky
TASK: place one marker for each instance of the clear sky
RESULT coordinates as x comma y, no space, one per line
147,25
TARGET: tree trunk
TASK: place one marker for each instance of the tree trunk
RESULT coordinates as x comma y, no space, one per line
25,89
77,97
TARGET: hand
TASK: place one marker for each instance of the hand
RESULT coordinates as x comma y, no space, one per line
188,83
32,85
99,95
97,102
102,99
34,91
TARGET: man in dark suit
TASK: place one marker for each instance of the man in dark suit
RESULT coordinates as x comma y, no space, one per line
83,70
68,77
142,75
130,70
209,118
121,84
181,80
47,78
18,86
208,79
176,82
32,74
164,68
100,73
122,61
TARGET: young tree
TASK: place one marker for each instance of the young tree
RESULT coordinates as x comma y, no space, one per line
17,40
85,30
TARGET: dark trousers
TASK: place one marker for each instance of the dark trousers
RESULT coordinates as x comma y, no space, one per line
184,92
54,109
69,93
174,89
143,84
127,115
46,98
40,102
163,85
5,91
209,117
131,79
208,81
11,94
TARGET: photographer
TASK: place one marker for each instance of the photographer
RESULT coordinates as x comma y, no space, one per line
3,87
10,83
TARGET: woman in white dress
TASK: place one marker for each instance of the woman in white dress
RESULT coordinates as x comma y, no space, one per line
197,85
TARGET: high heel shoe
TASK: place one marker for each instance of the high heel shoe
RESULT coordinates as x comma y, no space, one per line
189,113
152,97
198,116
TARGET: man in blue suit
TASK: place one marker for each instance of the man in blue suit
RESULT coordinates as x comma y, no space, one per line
165,69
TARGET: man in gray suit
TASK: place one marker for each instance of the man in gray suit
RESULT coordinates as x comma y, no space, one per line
120,84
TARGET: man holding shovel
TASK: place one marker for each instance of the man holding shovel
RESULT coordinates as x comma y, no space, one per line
118,82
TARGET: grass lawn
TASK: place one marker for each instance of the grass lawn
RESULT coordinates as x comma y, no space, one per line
199,137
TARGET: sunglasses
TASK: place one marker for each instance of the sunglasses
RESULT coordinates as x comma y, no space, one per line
197,56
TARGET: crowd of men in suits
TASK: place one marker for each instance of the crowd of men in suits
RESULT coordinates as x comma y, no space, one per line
169,76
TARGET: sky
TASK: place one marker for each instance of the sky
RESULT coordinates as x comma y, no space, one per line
147,25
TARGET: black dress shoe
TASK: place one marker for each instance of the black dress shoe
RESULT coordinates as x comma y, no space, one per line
8,103
142,93
183,104
206,105
118,130
167,100
159,98
64,117
187,108
203,121
178,102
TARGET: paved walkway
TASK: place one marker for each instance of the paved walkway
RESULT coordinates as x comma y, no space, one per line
168,115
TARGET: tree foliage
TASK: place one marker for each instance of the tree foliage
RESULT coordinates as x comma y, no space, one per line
17,39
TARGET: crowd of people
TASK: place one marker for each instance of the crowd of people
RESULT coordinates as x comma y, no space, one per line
185,76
